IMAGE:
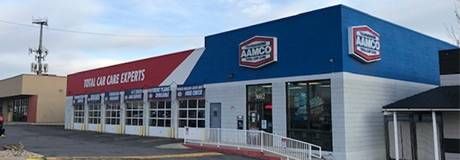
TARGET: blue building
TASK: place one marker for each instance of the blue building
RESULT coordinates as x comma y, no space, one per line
321,77
318,90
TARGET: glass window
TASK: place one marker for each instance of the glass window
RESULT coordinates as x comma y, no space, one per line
259,107
182,123
94,113
134,113
160,116
192,103
112,113
183,114
78,113
201,103
20,107
183,104
168,105
309,112
191,113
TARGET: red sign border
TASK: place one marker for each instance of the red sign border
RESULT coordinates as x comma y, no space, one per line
352,41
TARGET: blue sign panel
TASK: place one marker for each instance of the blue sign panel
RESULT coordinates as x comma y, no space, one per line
94,98
197,91
112,97
158,93
78,100
134,95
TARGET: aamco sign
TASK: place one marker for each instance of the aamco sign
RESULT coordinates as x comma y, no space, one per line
258,51
364,43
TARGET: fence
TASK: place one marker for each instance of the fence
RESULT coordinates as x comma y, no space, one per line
258,140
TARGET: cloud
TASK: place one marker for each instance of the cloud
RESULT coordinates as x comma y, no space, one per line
184,22
72,52
429,17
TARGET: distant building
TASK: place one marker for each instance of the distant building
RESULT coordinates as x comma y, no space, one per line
32,98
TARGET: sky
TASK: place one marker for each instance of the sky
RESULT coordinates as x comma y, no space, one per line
107,32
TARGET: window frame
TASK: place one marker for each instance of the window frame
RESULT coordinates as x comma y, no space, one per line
133,107
78,113
112,109
94,113
308,90
165,109
197,121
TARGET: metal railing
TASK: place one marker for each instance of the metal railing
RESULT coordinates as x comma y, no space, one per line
256,140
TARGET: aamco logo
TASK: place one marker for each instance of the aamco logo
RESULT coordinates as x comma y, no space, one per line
364,43
258,51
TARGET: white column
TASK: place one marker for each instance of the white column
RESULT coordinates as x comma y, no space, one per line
85,121
146,114
174,111
122,113
395,131
102,124
435,136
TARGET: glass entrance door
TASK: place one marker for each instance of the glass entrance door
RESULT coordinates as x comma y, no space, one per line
20,109
259,107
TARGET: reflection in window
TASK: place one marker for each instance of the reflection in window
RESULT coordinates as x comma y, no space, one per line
259,107
309,112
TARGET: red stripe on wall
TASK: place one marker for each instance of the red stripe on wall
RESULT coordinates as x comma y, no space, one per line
157,69
32,109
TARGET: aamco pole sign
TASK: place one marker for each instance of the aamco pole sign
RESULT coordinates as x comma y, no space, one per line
364,43
258,51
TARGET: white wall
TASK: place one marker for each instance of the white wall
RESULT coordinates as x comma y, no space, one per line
451,122
232,96
450,79
68,113
364,97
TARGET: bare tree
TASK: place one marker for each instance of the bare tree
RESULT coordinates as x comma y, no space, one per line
454,30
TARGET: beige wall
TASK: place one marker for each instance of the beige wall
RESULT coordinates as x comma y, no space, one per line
51,92
11,86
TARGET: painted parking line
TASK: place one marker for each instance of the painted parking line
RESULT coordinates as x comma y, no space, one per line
185,155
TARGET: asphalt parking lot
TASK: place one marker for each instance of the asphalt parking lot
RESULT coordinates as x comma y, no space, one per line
54,141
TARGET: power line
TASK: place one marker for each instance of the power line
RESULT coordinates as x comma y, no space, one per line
100,33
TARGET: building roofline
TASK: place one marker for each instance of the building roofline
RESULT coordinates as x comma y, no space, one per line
274,20
421,109
133,61
330,7
29,74
398,25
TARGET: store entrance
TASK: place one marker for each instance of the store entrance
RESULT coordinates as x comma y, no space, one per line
19,107
259,107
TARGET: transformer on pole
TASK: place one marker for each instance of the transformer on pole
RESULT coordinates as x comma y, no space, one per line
40,53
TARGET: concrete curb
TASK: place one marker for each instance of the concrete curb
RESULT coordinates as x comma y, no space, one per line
234,151
35,124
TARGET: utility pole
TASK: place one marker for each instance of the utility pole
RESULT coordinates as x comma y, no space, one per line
38,66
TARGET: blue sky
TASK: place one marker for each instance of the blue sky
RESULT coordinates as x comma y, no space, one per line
155,27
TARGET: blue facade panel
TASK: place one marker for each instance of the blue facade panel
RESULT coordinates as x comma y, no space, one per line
317,42
306,44
405,54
